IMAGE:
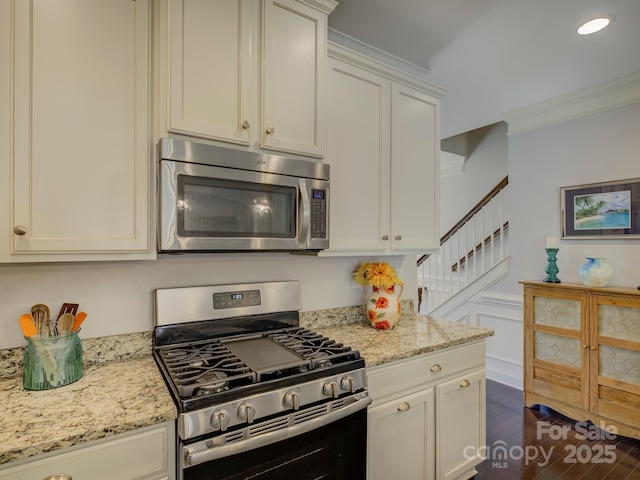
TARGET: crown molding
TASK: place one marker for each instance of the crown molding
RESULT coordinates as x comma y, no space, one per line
615,93
384,69
326,6
380,55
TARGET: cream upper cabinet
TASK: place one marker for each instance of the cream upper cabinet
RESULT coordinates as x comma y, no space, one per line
383,146
250,73
415,170
78,145
210,69
358,153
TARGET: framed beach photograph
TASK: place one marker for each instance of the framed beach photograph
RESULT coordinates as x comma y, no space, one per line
601,210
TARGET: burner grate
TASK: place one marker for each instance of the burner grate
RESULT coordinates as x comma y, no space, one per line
204,367
320,350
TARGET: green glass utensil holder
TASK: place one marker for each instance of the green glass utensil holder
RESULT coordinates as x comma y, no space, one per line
51,362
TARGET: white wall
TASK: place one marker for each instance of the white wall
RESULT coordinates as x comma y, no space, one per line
599,147
118,296
485,166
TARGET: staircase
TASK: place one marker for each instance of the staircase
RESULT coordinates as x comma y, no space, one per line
473,255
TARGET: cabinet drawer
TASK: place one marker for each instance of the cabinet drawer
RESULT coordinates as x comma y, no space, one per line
417,372
127,456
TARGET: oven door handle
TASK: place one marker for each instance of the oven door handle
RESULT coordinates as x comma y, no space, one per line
205,451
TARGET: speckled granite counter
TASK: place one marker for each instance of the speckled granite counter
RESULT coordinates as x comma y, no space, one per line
113,396
122,388
413,335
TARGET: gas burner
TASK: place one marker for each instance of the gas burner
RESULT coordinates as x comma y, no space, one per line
212,382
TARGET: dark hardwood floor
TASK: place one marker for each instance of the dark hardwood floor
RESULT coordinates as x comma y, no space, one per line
541,444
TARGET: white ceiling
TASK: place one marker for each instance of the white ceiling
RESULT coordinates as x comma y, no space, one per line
495,56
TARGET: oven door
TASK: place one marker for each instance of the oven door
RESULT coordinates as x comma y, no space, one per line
334,450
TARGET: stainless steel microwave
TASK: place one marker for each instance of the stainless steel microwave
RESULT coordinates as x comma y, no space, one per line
220,199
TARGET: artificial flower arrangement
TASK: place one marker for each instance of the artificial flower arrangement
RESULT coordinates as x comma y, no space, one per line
383,305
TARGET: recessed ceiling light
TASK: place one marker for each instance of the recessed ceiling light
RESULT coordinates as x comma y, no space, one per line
595,25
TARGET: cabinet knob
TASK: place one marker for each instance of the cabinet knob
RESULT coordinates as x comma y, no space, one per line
58,476
246,125
398,237
594,348
465,383
585,346
270,130
435,368
385,237
404,406
20,230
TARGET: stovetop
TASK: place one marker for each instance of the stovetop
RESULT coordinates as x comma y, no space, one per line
208,371
221,344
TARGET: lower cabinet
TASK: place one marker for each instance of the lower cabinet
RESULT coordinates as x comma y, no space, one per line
427,418
147,453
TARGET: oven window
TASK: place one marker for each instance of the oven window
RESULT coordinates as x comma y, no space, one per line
334,452
224,208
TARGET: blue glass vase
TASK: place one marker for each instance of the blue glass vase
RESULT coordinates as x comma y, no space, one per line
596,272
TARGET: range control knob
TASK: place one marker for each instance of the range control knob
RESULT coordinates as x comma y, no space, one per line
330,389
348,384
246,412
292,400
220,420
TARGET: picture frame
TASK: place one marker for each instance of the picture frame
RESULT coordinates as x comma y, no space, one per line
606,210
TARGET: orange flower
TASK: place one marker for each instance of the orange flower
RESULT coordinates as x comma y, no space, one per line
372,315
379,275
383,325
382,303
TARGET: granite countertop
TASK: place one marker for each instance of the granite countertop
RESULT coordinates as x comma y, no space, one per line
122,389
113,396
413,335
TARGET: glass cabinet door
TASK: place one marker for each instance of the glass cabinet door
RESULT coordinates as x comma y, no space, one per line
558,359
615,357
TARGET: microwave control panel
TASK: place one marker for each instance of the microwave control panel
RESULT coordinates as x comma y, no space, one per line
318,213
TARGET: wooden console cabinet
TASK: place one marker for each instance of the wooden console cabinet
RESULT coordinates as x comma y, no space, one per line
582,353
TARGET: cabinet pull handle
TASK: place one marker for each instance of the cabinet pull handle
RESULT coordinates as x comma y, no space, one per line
398,237
465,383
435,368
245,125
59,476
20,230
404,406
270,130
385,237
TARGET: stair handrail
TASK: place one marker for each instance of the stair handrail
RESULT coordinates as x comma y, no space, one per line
485,200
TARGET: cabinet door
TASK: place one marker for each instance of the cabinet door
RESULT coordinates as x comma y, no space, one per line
81,155
358,152
294,54
460,425
400,438
555,349
615,358
147,454
415,170
210,68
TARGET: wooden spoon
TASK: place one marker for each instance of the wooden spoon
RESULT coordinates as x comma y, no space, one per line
78,321
65,324
26,324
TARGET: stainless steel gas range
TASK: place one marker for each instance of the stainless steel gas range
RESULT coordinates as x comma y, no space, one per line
258,396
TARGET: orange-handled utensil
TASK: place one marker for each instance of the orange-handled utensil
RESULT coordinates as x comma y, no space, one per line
78,321
27,325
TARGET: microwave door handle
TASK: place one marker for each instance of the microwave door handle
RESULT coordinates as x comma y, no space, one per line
306,214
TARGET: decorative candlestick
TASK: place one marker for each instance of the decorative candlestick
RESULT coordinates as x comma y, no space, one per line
552,268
